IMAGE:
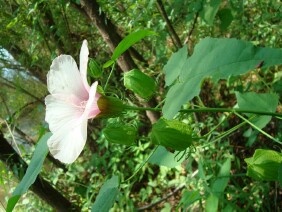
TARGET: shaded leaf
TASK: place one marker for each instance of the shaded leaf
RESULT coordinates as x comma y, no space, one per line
226,17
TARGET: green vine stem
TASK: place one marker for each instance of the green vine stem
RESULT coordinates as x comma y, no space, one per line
212,110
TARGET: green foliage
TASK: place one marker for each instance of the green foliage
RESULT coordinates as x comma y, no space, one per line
32,172
120,134
107,195
209,11
264,165
35,32
218,186
171,133
140,83
217,58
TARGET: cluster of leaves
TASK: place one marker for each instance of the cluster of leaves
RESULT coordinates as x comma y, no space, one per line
223,147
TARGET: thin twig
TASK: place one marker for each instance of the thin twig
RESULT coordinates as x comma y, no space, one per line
161,200
171,30
192,29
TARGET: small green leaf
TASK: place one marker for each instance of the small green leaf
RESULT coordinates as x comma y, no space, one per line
188,198
107,195
162,157
129,40
218,186
95,69
209,11
258,102
226,17
120,134
264,165
141,84
173,134
108,63
32,171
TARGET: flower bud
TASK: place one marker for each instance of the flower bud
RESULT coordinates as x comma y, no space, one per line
120,134
171,133
95,69
141,84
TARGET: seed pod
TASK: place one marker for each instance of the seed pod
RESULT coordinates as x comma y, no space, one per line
141,84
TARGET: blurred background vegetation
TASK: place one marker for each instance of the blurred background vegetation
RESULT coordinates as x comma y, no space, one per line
34,32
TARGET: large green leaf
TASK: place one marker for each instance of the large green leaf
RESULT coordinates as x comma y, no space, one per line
258,102
126,43
175,64
162,157
107,195
217,58
32,171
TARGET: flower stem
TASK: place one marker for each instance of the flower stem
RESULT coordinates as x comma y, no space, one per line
212,110
112,70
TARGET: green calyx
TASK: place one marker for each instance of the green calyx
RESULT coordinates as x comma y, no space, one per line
110,106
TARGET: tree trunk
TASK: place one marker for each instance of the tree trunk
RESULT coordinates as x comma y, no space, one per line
108,31
40,187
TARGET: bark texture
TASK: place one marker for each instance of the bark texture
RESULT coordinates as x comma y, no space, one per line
109,33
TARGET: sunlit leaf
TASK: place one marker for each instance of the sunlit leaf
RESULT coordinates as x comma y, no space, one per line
264,165
217,58
126,43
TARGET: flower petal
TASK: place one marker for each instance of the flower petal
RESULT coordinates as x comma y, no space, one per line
62,111
66,146
84,52
64,78
91,108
